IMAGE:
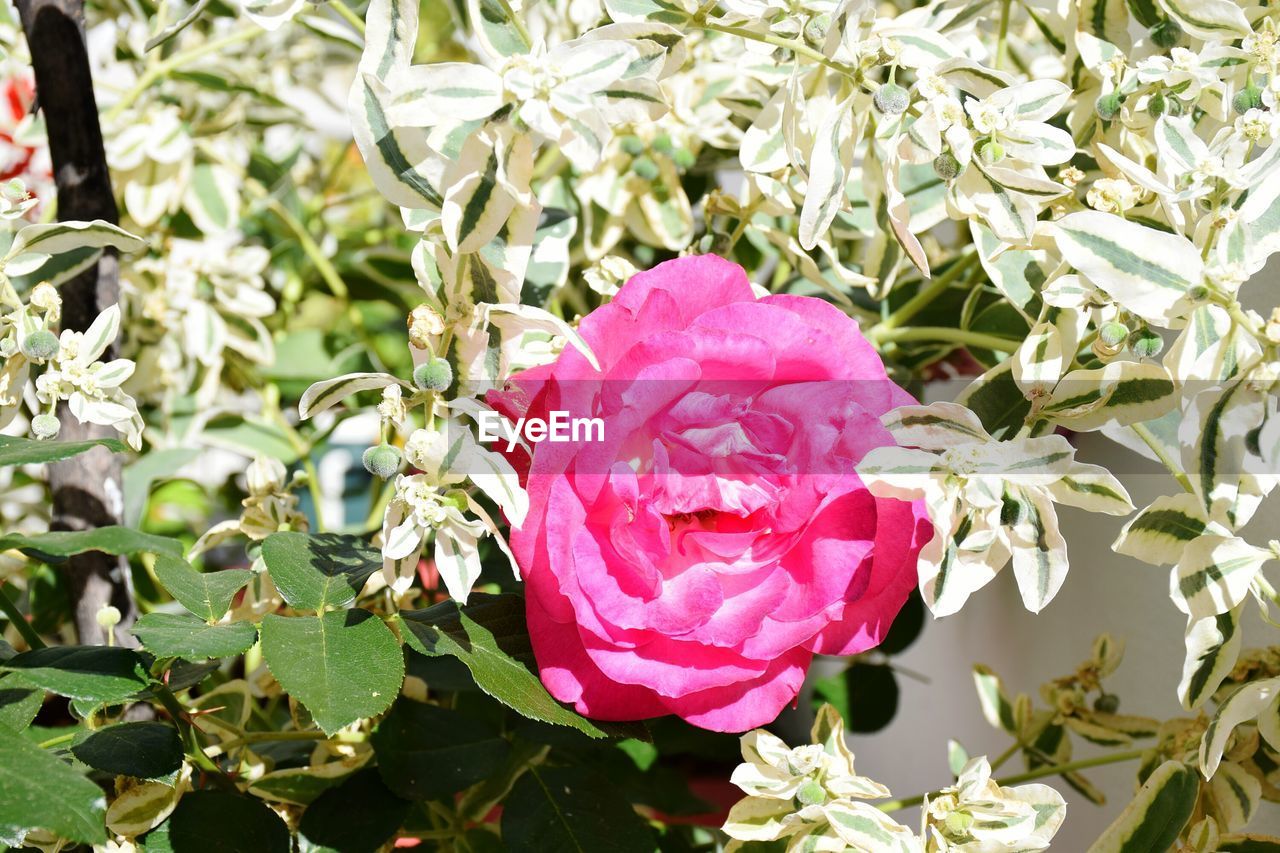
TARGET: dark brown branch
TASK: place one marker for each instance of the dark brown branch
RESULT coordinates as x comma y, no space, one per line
87,490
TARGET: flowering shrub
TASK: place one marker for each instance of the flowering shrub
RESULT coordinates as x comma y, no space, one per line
272,274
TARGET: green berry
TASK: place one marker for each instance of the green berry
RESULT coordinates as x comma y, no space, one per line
45,426
815,30
991,151
1107,703
946,166
1146,343
382,460
662,144
433,375
632,145
1167,33
1113,334
645,168
811,794
683,158
1107,106
891,99
1198,293
1248,98
40,344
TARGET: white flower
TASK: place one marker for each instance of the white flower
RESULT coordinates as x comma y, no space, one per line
976,815
1113,195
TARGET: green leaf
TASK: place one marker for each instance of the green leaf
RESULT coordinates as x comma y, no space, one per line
227,823
26,451
301,785
426,752
99,674
315,571
1155,817
121,541
143,750
997,401
139,476
493,22
206,594
343,666
571,809
490,636
177,635
358,815
1249,844
40,791
19,703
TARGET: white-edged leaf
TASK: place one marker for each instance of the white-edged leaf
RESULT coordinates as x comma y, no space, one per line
1214,575
1161,533
1246,703
1213,646
329,392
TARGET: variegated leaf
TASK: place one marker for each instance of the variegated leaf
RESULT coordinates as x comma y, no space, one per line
1214,575
1245,704
1213,646
1209,19
496,26
1156,816
54,238
1161,533
1147,271
326,393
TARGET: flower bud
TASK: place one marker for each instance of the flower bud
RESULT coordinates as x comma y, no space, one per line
108,617
1248,98
632,145
40,345
1107,703
382,460
1156,105
891,99
45,297
1146,343
1166,33
811,793
433,375
265,476
991,151
1107,106
645,168
946,166
45,426
815,30
1113,334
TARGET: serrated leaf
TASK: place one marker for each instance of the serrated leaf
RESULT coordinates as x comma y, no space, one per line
206,594
98,674
59,544
344,665
490,636
40,791
426,752
144,750
177,635
320,570
571,809
227,823
359,815
27,451
1155,817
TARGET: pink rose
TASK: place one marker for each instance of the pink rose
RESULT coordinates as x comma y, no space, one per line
695,560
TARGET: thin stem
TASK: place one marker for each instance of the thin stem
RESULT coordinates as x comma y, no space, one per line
798,48
19,621
156,72
349,16
1005,756
258,737
1038,773
946,334
921,300
1002,40
59,740
1144,432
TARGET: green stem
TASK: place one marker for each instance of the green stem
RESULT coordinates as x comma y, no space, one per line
1002,40
19,621
1030,775
1144,432
1005,756
59,740
258,737
161,69
798,48
921,300
349,16
946,334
